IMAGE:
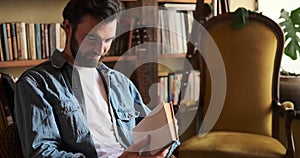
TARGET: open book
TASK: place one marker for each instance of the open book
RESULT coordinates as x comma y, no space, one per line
160,124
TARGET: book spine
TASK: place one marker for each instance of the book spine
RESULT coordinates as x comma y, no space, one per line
62,38
9,42
5,44
52,38
47,45
38,42
22,41
14,40
57,36
27,40
1,47
31,41
43,43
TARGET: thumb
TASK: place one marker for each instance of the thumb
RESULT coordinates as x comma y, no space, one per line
137,147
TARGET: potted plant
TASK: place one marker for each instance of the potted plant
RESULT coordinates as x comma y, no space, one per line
290,81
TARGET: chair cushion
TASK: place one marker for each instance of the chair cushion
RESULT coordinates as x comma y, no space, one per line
231,144
10,145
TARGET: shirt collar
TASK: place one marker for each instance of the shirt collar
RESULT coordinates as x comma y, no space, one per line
57,59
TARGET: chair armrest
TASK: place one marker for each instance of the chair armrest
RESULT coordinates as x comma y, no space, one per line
287,109
287,105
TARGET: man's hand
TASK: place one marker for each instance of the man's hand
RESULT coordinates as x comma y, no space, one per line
133,151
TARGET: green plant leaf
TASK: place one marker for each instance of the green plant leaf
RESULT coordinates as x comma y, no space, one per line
240,18
291,27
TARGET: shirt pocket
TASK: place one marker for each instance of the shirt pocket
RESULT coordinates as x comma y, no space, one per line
72,123
126,119
127,115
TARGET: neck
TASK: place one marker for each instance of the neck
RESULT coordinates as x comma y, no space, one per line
68,55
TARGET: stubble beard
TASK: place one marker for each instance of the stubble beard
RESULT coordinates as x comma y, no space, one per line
80,58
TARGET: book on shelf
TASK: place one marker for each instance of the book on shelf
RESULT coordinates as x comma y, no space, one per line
176,28
46,36
22,40
9,42
160,124
52,38
4,42
131,22
180,6
43,43
1,49
30,32
124,40
57,36
191,92
14,40
169,89
38,41
62,38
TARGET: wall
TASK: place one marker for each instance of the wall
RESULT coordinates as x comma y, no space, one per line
272,10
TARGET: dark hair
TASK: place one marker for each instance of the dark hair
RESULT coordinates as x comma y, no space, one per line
102,9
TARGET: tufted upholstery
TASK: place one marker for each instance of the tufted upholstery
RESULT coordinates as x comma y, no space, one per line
248,124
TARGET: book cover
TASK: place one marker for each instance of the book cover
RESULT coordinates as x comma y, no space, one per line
160,124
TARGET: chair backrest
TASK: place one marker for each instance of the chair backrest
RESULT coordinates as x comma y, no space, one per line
252,56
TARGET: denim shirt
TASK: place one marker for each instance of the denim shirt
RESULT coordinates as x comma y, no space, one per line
51,114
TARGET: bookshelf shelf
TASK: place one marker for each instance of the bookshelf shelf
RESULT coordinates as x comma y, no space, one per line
182,1
20,63
177,1
25,63
179,55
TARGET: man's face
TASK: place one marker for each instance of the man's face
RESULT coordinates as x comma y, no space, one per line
91,41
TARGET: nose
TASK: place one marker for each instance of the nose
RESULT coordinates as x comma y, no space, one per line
102,47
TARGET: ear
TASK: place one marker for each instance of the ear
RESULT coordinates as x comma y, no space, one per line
67,27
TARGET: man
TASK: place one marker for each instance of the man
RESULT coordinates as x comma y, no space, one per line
75,106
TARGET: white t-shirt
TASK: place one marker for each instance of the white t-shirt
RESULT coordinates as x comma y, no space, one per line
98,116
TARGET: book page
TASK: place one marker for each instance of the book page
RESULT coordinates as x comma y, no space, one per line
159,124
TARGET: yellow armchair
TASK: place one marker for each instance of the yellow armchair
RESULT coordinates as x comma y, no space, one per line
248,125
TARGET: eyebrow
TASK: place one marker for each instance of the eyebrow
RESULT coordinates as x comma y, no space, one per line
95,36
